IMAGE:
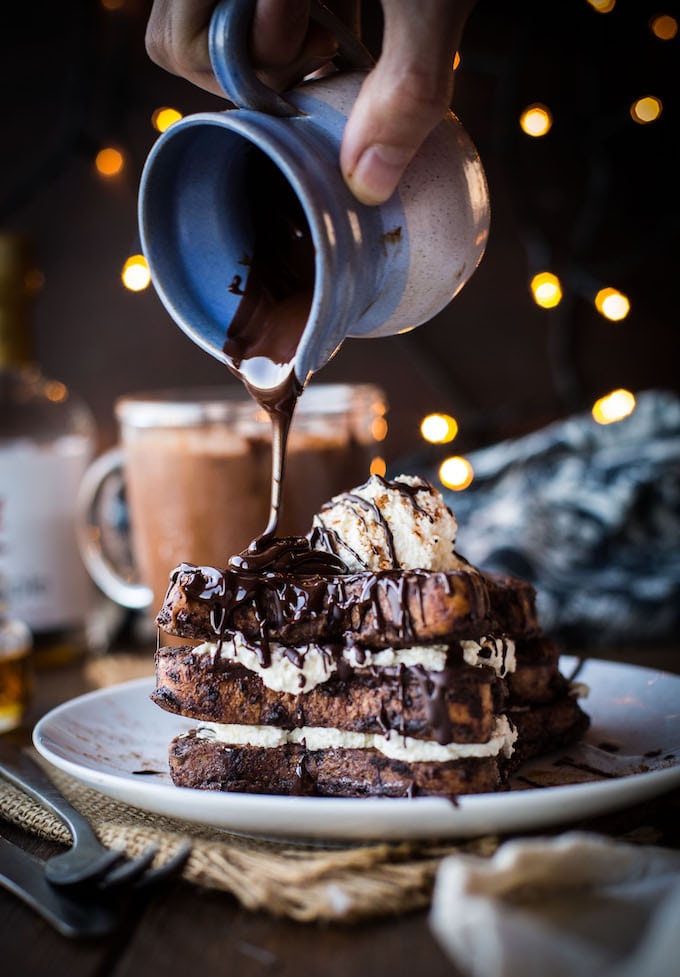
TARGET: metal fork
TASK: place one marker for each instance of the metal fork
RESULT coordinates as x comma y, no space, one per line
87,861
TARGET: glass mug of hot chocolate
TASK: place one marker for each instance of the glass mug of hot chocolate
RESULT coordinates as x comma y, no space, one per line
194,469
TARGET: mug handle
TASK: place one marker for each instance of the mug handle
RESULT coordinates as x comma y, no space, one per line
228,45
100,564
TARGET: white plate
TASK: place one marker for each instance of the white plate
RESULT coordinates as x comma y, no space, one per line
103,737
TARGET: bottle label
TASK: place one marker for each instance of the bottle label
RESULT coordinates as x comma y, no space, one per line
45,581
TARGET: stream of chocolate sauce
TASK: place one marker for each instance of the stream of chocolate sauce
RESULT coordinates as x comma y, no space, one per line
261,346
265,332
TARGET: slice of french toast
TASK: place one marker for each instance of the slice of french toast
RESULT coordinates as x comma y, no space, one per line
385,609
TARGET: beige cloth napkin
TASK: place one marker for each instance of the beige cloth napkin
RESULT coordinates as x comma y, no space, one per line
579,904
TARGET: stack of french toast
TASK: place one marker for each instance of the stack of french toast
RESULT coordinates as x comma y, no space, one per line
366,659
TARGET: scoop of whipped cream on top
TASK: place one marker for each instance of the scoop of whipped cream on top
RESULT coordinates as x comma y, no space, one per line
389,524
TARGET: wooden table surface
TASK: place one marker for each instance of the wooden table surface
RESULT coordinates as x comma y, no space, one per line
185,929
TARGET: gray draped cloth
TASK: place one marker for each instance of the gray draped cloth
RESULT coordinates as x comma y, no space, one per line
590,514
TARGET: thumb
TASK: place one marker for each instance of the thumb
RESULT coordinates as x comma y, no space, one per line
404,97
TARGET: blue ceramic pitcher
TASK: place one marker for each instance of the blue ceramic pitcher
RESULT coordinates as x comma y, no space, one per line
376,270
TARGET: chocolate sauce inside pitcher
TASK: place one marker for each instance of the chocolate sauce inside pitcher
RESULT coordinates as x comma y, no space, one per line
264,334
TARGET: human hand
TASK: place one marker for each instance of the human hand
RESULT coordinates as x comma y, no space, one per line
399,104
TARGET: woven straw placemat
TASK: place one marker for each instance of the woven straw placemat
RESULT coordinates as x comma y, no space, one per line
302,882
285,879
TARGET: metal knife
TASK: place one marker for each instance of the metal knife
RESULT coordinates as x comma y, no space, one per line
72,916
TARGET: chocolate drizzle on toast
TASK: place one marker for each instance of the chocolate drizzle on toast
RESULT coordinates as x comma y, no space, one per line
286,603
381,609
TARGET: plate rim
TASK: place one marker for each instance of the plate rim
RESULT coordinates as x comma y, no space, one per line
468,818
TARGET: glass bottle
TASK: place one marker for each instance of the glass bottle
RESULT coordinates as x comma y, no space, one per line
16,672
47,439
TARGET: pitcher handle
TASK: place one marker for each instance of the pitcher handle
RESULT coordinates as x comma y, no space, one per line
228,44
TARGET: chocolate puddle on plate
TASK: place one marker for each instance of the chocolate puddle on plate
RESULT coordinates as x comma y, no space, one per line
583,763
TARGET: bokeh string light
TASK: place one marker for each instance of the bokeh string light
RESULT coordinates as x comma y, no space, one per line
613,407
546,289
165,117
456,473
536,120
135,274
109,161
646,109
664,27
612,304
602,6
439,428
56,391
379,428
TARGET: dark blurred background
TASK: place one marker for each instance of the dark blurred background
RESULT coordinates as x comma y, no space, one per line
595,201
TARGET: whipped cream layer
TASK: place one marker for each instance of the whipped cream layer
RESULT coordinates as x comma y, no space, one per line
496,652
303,668
392,744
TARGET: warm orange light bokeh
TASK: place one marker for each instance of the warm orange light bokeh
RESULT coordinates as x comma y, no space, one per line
109,161
612,304
664,27
135,274
439,428
456,473
536,120
613,407
164,117
546,289
645,110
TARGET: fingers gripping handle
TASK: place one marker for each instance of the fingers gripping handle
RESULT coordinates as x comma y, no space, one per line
229,55
228,41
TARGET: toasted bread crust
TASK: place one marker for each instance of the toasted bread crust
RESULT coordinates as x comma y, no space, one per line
461,702
512,605
372,610
211,765
381,610
544,728
208,764
537,678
